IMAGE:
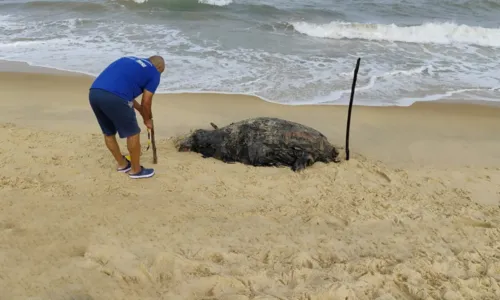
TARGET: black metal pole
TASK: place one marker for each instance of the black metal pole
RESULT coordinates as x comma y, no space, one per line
350,109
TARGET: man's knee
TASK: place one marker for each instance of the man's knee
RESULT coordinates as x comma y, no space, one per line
133,142
134,136
129,131
108,136
127,125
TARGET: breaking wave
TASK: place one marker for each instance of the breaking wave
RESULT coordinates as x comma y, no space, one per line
207,2
438,33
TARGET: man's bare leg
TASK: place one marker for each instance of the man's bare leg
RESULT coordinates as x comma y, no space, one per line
134,149
113,147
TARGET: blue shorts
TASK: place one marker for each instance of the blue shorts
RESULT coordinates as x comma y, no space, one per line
113,113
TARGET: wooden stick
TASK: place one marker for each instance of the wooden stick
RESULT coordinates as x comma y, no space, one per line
350,109
153,143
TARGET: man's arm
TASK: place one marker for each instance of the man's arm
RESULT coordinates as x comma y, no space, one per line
137,106
147,96
147,100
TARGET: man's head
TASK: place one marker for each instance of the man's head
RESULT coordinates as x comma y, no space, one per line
158,62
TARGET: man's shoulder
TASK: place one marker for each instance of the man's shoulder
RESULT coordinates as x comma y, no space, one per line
143,62
154,72
145,65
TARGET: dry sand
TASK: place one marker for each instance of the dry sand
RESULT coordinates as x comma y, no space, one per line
413,215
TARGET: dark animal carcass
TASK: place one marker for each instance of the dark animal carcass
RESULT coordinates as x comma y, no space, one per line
262,142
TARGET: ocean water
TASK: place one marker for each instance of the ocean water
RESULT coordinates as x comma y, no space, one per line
285,51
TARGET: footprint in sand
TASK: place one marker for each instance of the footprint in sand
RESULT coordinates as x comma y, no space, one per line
117,262
304,260
68,295
11,227
383,175
326,221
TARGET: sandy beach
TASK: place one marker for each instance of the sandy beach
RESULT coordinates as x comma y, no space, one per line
414,214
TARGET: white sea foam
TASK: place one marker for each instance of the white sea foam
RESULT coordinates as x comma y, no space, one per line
439,33
208,2
386,77
216,2
337,97
433,97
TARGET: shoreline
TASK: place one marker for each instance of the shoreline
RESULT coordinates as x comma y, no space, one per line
7,66
395,135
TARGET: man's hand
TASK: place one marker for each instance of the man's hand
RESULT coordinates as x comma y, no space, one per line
149,123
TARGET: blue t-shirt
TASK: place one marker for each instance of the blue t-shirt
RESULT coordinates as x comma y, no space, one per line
127,77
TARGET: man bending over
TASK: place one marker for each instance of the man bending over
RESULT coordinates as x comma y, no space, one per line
112,98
